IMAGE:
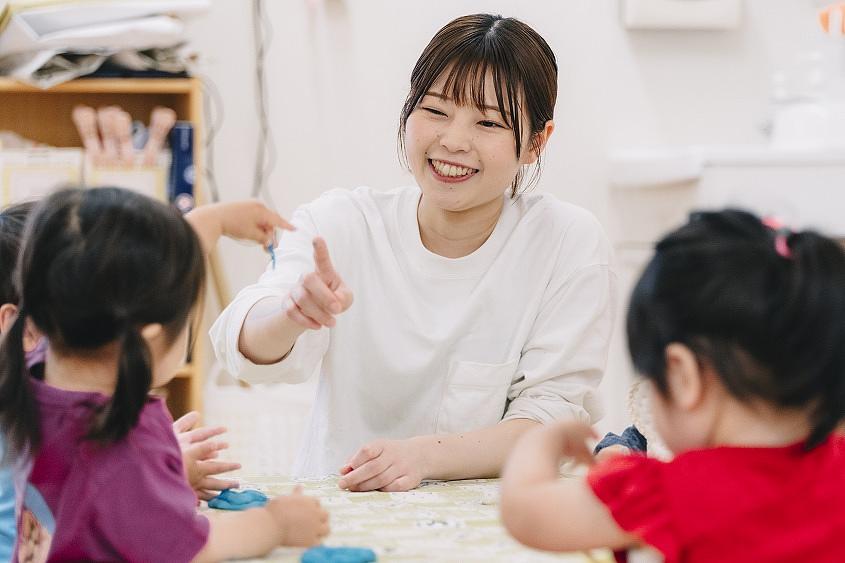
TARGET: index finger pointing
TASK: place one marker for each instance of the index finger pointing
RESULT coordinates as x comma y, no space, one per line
276,220
323,263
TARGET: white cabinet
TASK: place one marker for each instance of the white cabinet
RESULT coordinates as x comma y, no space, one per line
653,191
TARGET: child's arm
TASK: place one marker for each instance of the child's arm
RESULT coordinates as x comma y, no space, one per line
250,220
294,520
544,511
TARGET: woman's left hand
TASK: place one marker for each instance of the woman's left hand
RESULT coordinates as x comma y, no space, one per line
385,465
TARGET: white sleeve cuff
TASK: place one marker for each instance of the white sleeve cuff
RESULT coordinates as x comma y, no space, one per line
297,367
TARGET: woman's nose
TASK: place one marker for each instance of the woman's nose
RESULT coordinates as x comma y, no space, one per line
454,137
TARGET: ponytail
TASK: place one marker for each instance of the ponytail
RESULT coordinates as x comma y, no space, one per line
764,306
814,331
134,377
18,410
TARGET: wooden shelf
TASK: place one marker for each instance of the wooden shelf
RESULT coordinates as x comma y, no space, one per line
107,86
186,371
45,116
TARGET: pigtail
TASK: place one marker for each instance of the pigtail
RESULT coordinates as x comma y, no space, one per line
18,410
815,329
134,377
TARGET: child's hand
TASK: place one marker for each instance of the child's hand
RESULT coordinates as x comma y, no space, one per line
320,295
251,220
386,465
612,451
248,220
571,437
301,519
199,455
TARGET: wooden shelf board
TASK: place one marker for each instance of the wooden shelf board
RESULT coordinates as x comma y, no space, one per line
106,86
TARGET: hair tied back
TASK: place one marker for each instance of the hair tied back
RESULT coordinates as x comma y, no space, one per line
782,233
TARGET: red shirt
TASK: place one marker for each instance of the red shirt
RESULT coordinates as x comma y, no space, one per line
732,503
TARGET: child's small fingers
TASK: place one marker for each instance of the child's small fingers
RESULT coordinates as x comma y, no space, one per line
277,220
200,450
203,433
213,467
213,484
186,422
297,490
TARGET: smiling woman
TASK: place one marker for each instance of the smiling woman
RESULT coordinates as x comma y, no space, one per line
480,309
496,65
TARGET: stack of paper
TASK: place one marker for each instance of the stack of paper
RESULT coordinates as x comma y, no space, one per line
30,174
46,42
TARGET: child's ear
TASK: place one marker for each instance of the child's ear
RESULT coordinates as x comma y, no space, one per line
151,331
8,314
683,376
538,143
31,336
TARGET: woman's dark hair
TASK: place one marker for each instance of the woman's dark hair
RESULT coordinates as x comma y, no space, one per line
95,267
766,316
12,222
519,61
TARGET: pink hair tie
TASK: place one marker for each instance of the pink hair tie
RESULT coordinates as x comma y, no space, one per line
782,233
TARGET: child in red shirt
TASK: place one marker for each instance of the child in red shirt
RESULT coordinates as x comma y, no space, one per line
738,328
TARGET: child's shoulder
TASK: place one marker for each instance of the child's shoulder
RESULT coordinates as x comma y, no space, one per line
151,443
155,427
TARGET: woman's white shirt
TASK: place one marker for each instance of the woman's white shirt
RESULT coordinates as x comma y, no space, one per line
518,329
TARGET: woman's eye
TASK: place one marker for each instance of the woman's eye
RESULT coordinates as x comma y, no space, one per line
489,124
434,111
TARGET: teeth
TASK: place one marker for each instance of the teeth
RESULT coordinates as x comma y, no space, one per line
450,170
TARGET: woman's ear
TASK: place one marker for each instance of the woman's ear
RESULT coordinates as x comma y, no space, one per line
683,377
538,143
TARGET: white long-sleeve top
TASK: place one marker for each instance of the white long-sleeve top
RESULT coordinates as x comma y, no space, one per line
518,329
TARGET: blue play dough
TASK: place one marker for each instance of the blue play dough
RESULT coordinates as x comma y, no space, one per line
323,554
238,500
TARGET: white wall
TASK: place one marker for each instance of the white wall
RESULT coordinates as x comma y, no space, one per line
338,72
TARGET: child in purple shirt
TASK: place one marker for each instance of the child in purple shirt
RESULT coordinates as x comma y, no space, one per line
110,278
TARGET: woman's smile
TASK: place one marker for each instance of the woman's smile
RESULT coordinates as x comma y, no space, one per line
450,172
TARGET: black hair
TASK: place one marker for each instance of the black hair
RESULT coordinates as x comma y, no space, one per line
96,266
12,222
769,318
516,57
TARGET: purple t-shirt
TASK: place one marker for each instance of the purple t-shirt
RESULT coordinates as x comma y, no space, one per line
128,501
